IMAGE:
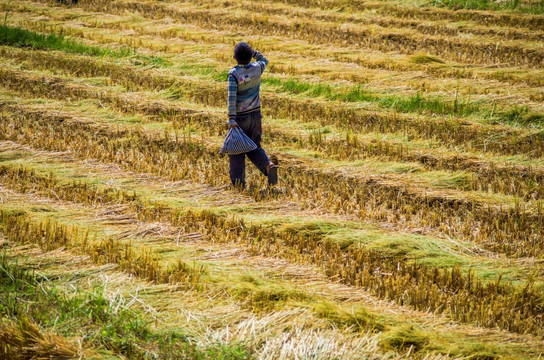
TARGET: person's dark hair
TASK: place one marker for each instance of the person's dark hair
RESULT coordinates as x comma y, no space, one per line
243,53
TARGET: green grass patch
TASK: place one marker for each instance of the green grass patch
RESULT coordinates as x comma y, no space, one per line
100,323
346,93
532,7
261,296
480,352
425,59
14,36
413,103
416,103
449,180
521,116
405,339
355,319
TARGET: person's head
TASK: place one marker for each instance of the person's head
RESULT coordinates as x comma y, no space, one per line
243,53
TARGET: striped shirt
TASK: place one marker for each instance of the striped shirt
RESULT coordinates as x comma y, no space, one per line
244,84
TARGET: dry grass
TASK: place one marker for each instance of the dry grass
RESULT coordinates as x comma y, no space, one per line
434,128
24,340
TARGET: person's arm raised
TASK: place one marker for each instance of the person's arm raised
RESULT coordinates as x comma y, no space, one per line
261,60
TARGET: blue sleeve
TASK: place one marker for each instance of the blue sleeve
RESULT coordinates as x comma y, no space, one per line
261,60
232,95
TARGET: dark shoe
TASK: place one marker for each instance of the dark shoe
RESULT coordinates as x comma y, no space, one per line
273,175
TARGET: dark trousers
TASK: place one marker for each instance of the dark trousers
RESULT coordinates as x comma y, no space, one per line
251,125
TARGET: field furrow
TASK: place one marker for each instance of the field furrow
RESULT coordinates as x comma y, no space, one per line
511,179
385,40
203,322
364,197
174,33
475,137
432,14
361,68
108,255
287,244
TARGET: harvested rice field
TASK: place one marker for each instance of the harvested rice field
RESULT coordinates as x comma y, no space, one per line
407,223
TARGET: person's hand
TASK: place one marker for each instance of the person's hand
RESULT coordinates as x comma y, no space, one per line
232,122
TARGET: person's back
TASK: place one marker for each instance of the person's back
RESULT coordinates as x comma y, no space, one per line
244,86
244,105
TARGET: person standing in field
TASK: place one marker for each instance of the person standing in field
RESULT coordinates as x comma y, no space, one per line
244,110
